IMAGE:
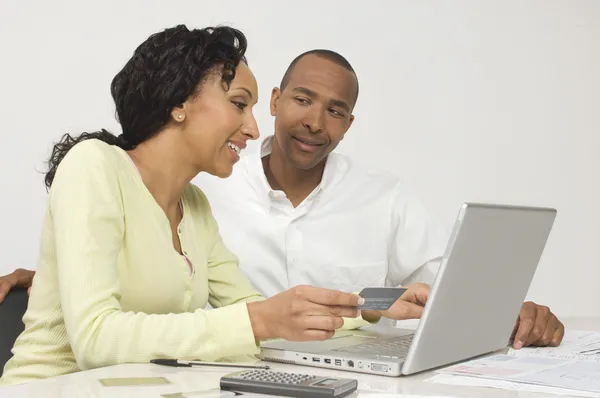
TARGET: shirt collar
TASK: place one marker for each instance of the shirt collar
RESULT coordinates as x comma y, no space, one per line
334,171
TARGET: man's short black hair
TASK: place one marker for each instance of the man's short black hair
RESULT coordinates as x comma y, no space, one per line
322,53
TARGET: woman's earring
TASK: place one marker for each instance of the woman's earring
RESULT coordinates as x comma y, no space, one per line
180,116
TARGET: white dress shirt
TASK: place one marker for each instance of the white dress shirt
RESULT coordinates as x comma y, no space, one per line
358,228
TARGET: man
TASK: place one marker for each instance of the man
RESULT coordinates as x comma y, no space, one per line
299,214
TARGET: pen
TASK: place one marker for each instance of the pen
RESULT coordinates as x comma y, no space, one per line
189,364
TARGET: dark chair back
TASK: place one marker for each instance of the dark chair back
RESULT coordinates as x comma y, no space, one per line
12,310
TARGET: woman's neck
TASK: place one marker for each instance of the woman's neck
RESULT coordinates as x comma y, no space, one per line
163,169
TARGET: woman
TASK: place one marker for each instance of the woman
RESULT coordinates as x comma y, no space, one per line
130,252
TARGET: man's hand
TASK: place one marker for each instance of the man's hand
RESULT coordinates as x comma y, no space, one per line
537,326
409,306
19,278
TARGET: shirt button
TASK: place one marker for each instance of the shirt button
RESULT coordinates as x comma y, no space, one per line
179,230
277,194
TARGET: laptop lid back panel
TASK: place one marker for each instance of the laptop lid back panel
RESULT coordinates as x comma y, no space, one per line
481,285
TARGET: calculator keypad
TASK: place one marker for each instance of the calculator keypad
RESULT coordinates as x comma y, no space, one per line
275,377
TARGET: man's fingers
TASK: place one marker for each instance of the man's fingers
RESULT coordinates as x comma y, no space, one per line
23,277
553,335
548,332
526,324
528,311
545,339
559,333
11,279
525,328
541,323
417,293
4,289
412,311
404,310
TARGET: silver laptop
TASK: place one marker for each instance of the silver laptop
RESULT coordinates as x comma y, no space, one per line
483,279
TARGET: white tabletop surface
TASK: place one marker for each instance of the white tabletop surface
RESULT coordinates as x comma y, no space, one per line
86,384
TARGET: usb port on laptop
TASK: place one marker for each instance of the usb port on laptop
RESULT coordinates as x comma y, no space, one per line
338,362
327,360
316,359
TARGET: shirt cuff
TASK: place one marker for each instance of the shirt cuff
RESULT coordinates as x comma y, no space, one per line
358,322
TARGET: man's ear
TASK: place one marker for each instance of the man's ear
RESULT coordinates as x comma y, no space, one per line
350,120
275,95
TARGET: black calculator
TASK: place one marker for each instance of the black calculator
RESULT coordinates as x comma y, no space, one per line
288,384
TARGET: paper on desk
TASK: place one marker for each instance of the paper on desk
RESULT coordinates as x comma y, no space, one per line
506,385
556,353
576,345
553,372
502,366
581,338
580,375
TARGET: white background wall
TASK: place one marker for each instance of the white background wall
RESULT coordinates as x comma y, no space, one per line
466,100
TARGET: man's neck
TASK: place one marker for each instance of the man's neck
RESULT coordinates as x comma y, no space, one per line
296,183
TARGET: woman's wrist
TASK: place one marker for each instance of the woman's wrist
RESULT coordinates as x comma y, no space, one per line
257,320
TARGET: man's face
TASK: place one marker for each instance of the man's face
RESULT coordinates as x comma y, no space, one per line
314,110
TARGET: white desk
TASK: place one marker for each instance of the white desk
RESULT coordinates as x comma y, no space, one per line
86,384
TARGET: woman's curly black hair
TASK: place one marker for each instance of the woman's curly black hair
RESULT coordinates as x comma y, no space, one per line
164,71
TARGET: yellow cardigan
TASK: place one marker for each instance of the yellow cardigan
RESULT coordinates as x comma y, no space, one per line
110,288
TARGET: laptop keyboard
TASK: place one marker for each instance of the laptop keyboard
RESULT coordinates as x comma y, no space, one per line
396,347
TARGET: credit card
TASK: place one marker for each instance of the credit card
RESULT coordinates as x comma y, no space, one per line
380,298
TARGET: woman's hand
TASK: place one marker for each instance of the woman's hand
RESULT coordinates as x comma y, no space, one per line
302,313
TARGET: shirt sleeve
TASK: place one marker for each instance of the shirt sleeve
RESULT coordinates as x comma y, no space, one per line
425,273
356,323
86,209
417,242
416,246
227,283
